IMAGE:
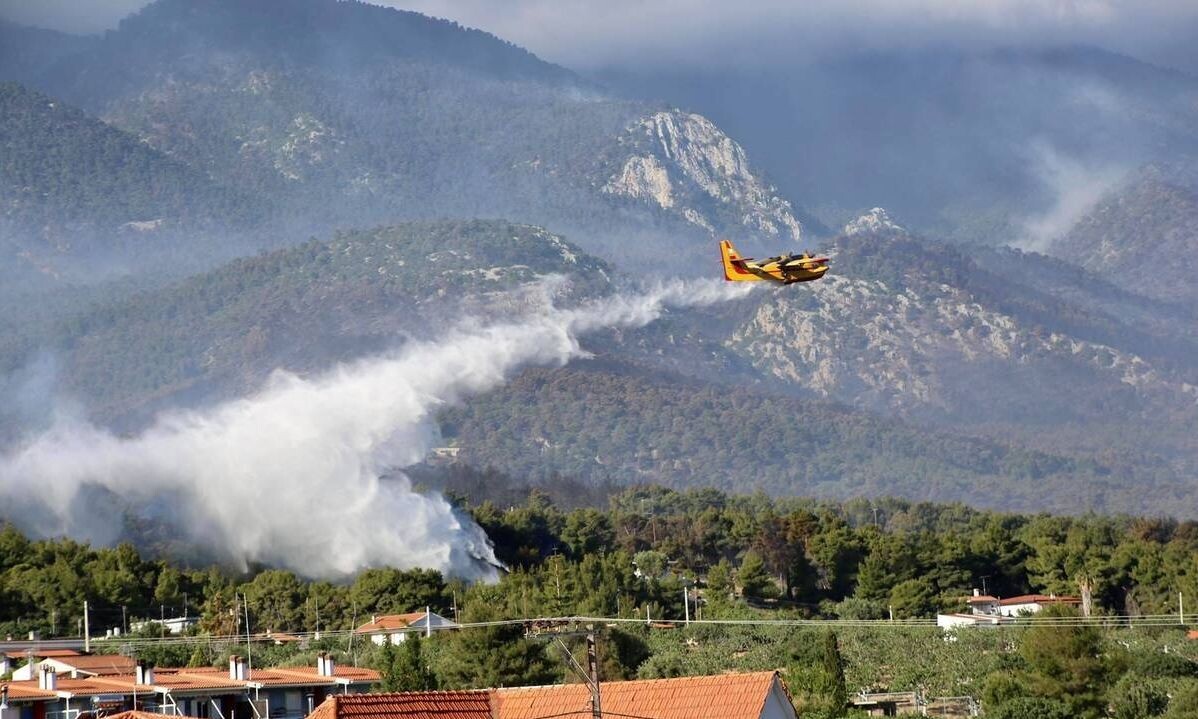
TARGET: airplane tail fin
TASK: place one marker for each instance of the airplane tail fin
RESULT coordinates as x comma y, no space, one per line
734,264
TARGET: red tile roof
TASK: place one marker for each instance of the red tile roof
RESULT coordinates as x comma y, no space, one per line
725,696
144,715
92,686
27,690
980,599
1040,599
203,679
409,705
43,653
353,674
390,622
98,664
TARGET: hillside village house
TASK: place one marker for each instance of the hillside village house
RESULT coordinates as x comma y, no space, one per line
241,692
1032,603
760,695
988,611
172,625
396,627
77,666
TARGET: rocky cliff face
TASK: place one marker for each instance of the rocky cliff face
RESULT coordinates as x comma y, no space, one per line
936,350
862,341
876,220
682,163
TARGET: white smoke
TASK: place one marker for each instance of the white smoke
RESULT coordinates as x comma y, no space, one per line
1075,186
290,476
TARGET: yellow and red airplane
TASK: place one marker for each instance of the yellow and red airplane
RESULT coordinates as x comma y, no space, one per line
786,269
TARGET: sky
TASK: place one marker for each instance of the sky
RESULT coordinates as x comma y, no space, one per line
589,34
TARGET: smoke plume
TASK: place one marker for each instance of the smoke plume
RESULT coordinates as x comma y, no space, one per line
290,476
1075,187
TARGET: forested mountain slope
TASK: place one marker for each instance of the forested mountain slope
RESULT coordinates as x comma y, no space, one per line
352,114
1144,234
301,308
596,423
77,195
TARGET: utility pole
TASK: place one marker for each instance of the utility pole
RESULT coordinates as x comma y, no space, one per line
554,631
686,606
87,634
1181,609
124,620
593,672
249,657
353,657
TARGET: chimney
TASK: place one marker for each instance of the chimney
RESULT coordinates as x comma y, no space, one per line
374,619
330,666
47,678
236,667
144,674
976,593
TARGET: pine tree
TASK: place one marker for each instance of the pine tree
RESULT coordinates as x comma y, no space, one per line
833,665
754,580
409,669
388,657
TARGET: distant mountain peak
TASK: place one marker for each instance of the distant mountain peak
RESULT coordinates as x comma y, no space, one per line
681,162
875,221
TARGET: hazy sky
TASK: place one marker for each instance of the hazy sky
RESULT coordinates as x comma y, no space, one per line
590,33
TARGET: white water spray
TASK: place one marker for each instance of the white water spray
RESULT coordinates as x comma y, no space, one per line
289,476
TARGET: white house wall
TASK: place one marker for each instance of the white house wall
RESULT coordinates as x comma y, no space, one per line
777,704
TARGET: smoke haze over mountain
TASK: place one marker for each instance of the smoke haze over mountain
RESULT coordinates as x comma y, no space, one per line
238,478
584,34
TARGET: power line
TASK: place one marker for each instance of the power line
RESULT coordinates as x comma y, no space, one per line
1112,621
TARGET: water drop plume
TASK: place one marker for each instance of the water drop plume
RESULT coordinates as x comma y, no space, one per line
290,475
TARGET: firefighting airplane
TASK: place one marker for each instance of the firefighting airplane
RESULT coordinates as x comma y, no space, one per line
786,269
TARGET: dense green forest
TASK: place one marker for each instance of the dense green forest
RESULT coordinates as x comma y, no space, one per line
742,557
61,166
601,423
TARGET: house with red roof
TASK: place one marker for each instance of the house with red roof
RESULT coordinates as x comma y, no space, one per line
396,627
205,693
1025,604
760,695
472,704
76,666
